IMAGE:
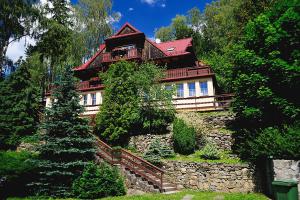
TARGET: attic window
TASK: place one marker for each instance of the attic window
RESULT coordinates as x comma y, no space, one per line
171,49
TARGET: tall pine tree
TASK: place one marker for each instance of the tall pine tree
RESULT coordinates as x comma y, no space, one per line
68,146
18,108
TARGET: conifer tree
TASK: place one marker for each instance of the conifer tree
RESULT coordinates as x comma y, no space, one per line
68,146
18,108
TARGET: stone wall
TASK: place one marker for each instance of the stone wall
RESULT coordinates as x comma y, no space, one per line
142,142
287,170
212,176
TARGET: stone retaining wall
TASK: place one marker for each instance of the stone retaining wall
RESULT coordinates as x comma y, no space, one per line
142,142
212,176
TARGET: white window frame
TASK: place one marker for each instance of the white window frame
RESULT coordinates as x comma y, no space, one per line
179,92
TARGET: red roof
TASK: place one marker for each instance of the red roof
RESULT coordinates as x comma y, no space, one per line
85,65
176,47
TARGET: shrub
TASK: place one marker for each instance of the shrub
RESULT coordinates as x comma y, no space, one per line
184,137
210,152
99,181
157,151
279,143
15,172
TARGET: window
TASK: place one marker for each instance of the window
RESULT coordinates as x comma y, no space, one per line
170,49
93,99
192,90
203,88
84,99
180,91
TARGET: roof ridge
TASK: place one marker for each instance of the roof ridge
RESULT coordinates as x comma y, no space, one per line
175,40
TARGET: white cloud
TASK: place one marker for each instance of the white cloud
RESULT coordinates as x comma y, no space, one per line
150,2
114,19
130,9
163,5
17,49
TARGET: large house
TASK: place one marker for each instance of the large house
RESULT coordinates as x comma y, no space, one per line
194,81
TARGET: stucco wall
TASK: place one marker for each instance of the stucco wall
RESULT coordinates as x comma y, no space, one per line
287,170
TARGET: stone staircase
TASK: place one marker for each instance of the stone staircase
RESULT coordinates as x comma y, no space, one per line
139,173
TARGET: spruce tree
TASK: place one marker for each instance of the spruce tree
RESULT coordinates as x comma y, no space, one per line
18,108
67,145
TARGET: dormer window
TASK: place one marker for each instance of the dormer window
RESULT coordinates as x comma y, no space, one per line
170,49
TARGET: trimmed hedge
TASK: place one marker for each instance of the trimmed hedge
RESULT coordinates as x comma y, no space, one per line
184,137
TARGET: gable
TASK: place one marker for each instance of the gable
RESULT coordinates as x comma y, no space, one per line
126,30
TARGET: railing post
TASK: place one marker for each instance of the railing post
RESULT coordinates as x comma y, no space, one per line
161,181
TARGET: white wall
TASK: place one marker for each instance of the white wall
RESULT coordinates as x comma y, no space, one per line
185,101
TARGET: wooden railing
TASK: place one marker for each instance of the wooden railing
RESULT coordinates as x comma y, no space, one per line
132,162
130,54
217,102
187,72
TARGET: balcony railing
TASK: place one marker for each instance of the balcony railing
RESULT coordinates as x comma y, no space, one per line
88,85
182,73
130,54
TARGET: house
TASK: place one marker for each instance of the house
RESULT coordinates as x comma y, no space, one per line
194,81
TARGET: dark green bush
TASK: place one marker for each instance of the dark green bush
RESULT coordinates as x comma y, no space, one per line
99,181
157,151
184,137
279,143
210,152
15,172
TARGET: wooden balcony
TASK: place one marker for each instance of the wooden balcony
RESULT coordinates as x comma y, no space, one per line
130,54
89,85
185,73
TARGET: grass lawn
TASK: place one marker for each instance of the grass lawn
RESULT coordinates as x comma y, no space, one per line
195,157
178,196
197,196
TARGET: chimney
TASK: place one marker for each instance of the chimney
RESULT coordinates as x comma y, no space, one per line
157,40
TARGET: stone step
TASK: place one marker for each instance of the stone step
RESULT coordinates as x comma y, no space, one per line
171,192
169,189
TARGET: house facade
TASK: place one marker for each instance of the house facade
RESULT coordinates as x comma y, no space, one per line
194,81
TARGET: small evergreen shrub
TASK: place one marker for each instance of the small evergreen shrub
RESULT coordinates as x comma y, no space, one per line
184,137
157,151
210,152
98,182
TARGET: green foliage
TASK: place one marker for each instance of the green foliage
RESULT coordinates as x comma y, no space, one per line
132,102
15,172
98,182
15,163
210,151
67,145
164,33
91,16
19,108
157,151
267,75
16,19
278,143
184,137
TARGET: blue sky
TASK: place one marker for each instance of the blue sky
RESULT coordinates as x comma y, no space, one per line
147,15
